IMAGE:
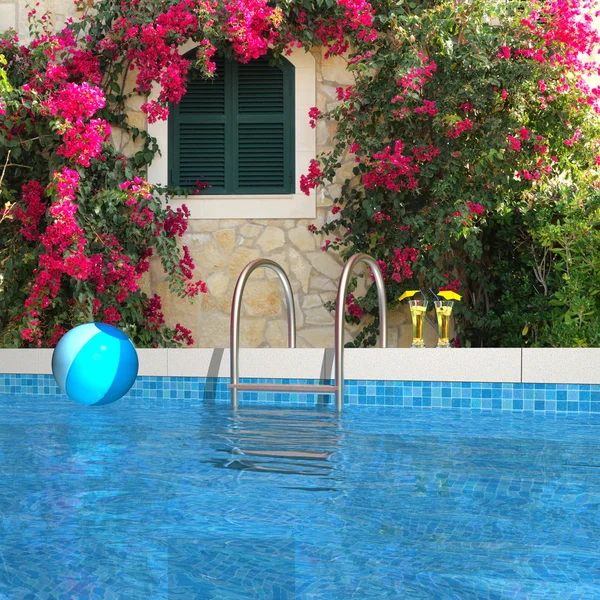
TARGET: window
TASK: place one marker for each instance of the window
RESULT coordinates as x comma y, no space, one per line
236,131
215,204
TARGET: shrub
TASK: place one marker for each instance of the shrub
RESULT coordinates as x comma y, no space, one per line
472,127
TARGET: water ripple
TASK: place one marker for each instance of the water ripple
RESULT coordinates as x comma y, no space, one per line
193,501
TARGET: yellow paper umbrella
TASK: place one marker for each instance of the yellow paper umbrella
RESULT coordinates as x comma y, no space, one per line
449,295
408,294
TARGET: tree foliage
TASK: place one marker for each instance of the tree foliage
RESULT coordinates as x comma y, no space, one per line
475,139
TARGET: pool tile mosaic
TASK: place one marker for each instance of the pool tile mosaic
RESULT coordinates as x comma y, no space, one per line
529,397
141,501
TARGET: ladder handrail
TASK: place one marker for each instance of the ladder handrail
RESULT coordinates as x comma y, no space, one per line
340,310
236,305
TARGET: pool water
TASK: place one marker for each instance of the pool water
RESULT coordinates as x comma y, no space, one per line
190,501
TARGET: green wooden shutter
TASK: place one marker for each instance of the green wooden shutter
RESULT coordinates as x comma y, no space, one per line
198,132
236,132
265,128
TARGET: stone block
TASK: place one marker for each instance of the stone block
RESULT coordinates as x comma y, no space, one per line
272,238
226,239
213,331
311,301
207,256
202,225
300,269
276,334
334,69
318,316
217,284
281,258
320,283
240,258
250,231
252,332
317,337
262,298
206,303
303,239
325,264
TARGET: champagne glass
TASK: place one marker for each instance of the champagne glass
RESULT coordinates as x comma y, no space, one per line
418,308
443,311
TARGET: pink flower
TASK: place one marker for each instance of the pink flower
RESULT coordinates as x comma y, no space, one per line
83,142
426,154
451,285
353,307
401,263
344,94
428,107
514,143
460,127
504,52
74,103
314,114
311,181
391,169
35,208
380,217
475,209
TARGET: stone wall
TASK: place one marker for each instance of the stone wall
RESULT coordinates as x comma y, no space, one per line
13,13
8,14
221,248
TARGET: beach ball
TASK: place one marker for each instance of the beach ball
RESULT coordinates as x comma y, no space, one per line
95,364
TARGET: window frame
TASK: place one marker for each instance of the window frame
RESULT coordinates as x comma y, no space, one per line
276,206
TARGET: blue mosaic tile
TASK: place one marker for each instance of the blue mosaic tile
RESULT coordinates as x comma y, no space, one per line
517,397
138,503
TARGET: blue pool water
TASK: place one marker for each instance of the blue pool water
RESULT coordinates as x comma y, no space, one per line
186,500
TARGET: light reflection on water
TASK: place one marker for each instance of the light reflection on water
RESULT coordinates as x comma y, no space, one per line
193,501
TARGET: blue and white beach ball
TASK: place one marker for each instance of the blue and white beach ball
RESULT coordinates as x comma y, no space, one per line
95,364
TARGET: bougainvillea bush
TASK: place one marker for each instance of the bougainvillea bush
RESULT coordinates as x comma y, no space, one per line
471,129
78,221
474,131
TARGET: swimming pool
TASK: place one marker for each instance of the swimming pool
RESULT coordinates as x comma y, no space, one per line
181,498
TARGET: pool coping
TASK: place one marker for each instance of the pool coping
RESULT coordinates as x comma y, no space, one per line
485,365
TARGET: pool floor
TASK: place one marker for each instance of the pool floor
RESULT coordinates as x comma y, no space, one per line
189,501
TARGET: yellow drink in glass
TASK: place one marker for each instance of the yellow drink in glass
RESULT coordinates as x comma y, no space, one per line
443,311
418,308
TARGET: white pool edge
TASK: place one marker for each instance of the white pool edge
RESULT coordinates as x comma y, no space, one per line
500,365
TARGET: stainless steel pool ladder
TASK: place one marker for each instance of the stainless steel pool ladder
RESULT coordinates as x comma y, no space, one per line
338,388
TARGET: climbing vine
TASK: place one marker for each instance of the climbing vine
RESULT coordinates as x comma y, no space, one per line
471,131
79,222
467,150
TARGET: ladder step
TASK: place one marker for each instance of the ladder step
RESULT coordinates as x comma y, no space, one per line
284,387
